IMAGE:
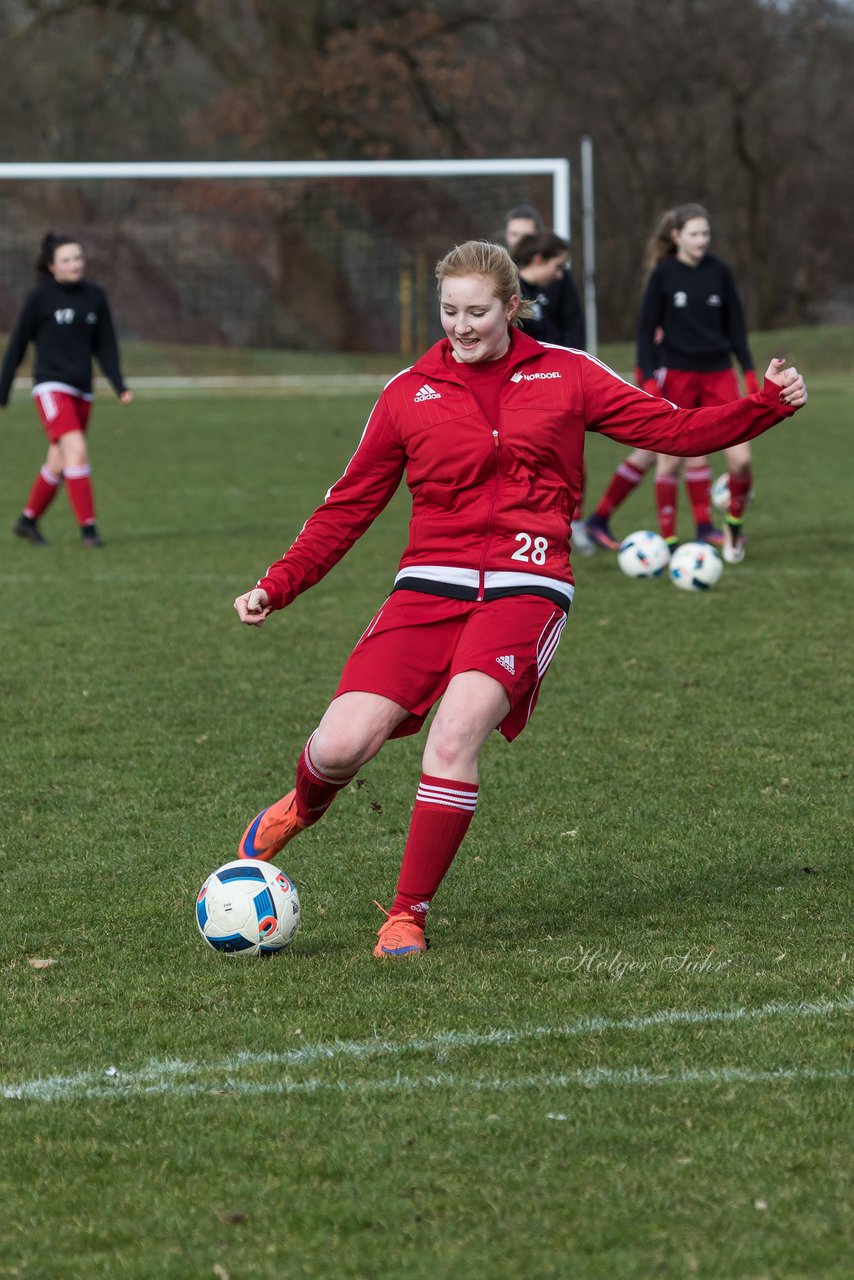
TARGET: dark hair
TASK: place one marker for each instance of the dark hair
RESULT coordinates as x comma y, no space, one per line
525,211
545,243
661,244
49,245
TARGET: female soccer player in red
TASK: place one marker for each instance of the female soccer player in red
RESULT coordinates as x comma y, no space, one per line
691,324
69,321
488,429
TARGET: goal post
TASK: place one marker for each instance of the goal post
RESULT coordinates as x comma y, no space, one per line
307,255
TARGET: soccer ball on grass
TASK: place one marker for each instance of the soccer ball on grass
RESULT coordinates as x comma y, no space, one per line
643,555
695,566
247,908
720,494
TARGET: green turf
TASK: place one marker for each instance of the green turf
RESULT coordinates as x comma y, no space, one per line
628,1052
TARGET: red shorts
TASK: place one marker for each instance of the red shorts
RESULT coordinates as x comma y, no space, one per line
61,412
690,390
416,643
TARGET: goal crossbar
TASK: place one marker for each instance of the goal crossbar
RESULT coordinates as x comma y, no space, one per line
557,167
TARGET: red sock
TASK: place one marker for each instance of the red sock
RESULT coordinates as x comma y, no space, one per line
440,819
698,482
79,488
624,481
315,791
666,489
44,490
740,484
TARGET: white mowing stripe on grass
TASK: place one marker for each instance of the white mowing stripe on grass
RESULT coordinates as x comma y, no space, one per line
591,1078
163,1076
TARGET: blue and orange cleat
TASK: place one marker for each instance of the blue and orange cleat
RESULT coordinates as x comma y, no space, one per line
271,829
400,935
708,533
599,532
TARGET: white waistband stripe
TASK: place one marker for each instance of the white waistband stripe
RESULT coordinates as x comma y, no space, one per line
493,579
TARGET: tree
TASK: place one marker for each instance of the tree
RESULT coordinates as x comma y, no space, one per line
741,104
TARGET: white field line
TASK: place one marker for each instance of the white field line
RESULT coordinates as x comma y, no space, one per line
165,1076
293,383
589,1079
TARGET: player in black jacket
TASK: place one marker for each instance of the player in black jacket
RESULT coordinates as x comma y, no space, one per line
541,259
691,325
68,319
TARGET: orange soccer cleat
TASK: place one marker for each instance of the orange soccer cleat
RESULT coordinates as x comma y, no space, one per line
399,935
271,829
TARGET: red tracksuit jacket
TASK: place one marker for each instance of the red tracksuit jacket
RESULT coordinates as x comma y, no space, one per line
492,502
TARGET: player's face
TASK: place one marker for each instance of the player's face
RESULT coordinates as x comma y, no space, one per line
692,241
516,228
68,263
475,320
543,271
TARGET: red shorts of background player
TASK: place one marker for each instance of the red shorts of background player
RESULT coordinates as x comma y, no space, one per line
690,390
417,642
61,411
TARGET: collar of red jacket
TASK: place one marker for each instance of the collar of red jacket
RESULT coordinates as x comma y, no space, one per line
435,364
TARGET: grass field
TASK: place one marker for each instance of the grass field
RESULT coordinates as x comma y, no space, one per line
628,1053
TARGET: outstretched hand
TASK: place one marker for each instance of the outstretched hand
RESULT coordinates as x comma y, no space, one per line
793,389
252,607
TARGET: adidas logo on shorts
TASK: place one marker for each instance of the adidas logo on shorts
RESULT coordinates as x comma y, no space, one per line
507,663
427,393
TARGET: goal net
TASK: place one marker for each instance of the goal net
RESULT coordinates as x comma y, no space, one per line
319,256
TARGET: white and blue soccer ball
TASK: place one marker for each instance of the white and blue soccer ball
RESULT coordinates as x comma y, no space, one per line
695,566
720,494
248,908
643,554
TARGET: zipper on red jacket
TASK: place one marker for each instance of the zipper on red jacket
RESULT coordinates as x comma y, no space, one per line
481,571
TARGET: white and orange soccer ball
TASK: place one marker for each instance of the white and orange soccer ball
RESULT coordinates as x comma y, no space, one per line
248,908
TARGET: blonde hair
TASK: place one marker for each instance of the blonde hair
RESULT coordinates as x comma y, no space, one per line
660,244
490,261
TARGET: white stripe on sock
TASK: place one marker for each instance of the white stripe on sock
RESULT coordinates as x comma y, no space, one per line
447,797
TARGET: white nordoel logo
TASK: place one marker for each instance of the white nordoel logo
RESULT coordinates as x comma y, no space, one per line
533,377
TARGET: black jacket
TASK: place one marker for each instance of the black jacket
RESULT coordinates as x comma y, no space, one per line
69,324
701,314
559,317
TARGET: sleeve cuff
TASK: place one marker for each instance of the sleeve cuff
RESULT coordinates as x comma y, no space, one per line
770,393
275,595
